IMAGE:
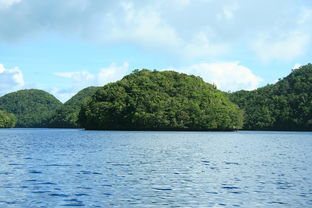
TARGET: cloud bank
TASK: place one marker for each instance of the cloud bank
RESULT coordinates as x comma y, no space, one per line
227,76
194,29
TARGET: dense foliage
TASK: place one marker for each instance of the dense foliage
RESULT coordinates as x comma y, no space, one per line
286,105
7,120
152,100
32,108
66,116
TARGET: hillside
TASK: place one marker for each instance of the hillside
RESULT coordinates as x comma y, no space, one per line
153,100
66,116
7,120
286,105
78,99
32,108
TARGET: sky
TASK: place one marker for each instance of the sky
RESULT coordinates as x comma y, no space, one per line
63,46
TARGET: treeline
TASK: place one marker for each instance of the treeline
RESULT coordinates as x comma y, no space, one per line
153,100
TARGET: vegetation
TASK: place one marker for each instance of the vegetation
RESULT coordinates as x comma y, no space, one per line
32,108
7,120
66,116
152,100
286,105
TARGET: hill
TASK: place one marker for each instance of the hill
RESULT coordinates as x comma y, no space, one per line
286,105
32,108
66,116
153,100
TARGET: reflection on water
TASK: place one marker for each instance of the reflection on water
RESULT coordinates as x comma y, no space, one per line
75,168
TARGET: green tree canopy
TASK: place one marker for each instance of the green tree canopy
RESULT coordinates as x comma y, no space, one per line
7,120
153,100
32,108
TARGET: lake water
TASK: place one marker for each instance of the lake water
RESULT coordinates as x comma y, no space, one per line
70,168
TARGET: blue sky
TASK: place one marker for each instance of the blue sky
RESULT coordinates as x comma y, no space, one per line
62,46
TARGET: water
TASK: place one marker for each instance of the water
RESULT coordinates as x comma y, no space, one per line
72,168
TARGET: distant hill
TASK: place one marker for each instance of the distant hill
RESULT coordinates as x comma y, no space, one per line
153,100
66,116
286,105
32,108
77,100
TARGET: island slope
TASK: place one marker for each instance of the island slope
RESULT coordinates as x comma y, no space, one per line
153,100
286,105
7,120
66,116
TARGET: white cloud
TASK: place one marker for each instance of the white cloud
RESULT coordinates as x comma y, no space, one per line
286,48
183,2
305,16
227,76
202,47
112,73
84,79
228,11
144,26
10,79
5,4
296,66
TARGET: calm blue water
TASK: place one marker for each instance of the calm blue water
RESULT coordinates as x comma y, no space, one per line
69,168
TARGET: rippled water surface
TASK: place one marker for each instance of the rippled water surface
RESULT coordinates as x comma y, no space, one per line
70,168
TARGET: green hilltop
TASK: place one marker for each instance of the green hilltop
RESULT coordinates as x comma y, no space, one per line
153,100
32,108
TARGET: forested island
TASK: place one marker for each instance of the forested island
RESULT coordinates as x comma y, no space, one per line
32,108
153,100
167,100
